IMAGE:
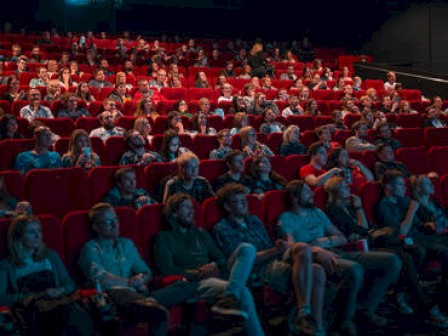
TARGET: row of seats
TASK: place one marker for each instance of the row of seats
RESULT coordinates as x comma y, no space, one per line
58,191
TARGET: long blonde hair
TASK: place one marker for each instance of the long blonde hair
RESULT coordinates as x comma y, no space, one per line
15,240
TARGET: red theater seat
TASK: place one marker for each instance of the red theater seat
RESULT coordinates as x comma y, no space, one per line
274,204
115,147
9,149
415,158
14,183
436,136
204,144
211,169
439,159
303,122
410,137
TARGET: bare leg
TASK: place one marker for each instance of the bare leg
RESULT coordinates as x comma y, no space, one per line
302,274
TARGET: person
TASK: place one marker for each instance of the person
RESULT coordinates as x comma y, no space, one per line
294,107
224,141
144,90
357,142
9,128
385,136
386,161
256,60
296,273
174,122
391,81
266,84
434,118
430,210
70,108
239,121
236,174
170,149
42,78
291,142
34,276
270,124
247,70
355,173
404,107
13,92
317,83
249,144
80,152
199,123
188,180
397,216
226,93
191,252
337,121
136,152
53,91
201,81
181,107
314,173
289,74
125,191
110,105
160,81
228,69
22,65
145,108
107,128
143,126
34,109
311,108
363,277
119,94
66,80
388,105
41,156
324,135
83,93
264,178
261,103
99,81
114,263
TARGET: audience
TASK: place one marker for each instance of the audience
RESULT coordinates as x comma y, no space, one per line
170,149
386,161
358,142
224,141
9,128
291,142
70,108
385,136
34,109
136,153
264,178
270,124
249,144
107,128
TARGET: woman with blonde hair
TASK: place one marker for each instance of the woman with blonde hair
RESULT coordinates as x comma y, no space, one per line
249,144
239,121
291,143
35,282
143,126
80,152
145,108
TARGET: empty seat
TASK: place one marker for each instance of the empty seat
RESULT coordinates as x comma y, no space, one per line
415,158
211,169
204,144
274,142
370,194
87,123
436,136
439,159
293,164
61,126
155,172
57,191
216,122
115,147
410,121
14,183
303,122
150,218
127,122
274,204
410,137
341,136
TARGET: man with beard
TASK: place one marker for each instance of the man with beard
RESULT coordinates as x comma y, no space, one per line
34,109
189,251
107,128
285,267
294,107
358,142
364,274
137,153
99,81
114,263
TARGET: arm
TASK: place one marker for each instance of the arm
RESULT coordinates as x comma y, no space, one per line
314,181
364,170
9,293
357,145
388,218
64,281
333,238
164,256
406,224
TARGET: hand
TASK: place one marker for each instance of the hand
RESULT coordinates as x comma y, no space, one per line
326,258
143,200
248,151
52,292
335,171
430,226
281,245
147,158
137,281
208,270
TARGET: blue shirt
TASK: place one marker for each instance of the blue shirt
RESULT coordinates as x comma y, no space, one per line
26,161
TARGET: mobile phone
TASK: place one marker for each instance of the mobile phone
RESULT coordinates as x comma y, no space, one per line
86,151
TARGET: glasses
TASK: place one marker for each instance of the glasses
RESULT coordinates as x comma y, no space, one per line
109,222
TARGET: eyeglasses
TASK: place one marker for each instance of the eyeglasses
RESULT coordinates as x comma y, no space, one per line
109,222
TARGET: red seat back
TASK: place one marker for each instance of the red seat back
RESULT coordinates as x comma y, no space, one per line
415,158
14,183
9,149
410,137
274,204
57,191
115,147
436,136
439,159
204,144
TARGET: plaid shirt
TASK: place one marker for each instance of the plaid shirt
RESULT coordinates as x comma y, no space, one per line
229,234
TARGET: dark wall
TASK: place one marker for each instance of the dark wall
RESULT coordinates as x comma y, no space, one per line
418,37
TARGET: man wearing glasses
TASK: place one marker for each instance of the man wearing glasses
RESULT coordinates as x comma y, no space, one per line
34,109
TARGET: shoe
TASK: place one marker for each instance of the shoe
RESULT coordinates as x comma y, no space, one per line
320,331
304,325
156,307
300,323
403,306
230,306
437,318
348,328
377,321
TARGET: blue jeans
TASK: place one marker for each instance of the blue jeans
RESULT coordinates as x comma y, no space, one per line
240,266
365,276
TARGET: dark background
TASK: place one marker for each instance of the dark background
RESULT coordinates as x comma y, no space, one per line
412,33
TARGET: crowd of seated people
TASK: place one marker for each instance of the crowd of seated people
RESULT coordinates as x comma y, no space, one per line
223,266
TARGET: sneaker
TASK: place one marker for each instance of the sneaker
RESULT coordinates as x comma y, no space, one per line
300,323
437,318
230,306
304,325
403,306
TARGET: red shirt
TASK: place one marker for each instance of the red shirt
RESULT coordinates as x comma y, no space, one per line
309,169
